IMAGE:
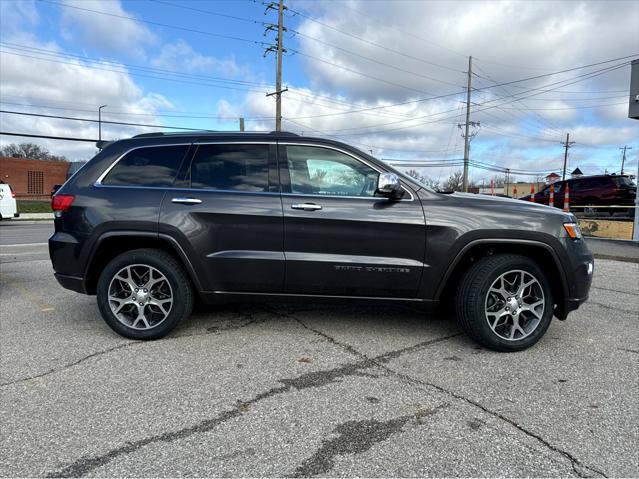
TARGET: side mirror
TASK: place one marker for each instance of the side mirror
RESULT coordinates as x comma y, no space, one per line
388,185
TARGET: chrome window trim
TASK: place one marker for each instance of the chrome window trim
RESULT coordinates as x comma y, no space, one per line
347,153
191,190
99,181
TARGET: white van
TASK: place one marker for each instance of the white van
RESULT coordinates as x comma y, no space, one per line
8,206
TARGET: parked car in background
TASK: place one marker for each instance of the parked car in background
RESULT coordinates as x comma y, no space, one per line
8,206
592,193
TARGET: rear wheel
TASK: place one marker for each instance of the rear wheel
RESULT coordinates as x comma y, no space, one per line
505,302
144,294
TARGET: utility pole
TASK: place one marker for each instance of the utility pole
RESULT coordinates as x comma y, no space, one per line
466,136
623,159
507,181
241,124
100,121
567,144
279,50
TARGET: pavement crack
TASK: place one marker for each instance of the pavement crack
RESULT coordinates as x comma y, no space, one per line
382,359
611,308
85,465
614,290
72,364
628,350
581,469
355,437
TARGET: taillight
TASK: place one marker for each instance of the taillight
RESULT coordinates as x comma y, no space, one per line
60,203
13,194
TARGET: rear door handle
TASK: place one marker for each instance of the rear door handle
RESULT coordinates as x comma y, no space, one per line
187,201
306,206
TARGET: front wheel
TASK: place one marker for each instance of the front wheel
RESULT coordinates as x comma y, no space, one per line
144,294
505,302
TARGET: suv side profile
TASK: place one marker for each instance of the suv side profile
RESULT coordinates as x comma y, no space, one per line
155,221
591,193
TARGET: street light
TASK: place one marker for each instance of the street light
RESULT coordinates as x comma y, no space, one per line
100,121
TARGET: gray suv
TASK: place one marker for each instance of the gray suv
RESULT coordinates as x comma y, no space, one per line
154,222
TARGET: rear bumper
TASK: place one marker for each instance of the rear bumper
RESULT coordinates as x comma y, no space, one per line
74,283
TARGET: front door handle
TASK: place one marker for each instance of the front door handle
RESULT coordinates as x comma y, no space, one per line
306,206
187,201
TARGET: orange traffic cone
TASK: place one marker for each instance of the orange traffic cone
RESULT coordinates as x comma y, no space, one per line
551,200
532,192
567,199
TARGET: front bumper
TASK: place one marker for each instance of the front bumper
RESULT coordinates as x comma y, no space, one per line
579,272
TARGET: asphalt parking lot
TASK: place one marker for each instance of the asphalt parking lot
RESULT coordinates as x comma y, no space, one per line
306,389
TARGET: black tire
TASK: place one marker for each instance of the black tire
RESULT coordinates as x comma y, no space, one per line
471,297
174,273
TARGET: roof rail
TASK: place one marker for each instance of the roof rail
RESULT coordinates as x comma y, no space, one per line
284,133
148,135
212,132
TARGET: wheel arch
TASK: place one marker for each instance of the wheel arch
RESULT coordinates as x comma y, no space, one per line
542,253
111,244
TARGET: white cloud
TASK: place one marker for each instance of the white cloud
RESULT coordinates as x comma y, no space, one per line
182,57
104,33
508,40
76,87
15,16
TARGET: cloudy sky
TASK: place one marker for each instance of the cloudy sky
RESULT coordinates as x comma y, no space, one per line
386,76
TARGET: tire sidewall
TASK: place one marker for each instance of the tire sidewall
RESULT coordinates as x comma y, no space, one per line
487,335
172,274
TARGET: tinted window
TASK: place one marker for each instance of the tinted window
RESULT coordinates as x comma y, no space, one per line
623,181
321,171
155,166
230,167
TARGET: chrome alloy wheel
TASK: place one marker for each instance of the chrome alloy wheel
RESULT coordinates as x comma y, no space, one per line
140,296
515,305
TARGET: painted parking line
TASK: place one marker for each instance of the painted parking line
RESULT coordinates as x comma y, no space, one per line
22,244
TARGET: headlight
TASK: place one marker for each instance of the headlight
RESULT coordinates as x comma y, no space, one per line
573,230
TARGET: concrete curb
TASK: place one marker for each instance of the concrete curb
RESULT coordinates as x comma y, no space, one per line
612,257
34,216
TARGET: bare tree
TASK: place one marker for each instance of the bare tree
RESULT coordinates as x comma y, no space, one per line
414,174
455,182
29,151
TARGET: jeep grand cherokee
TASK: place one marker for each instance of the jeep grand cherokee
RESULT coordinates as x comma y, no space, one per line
154,221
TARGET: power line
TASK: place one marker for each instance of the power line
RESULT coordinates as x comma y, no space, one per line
158,24
373,60
26,135
58,117
377,45
583,77
296,32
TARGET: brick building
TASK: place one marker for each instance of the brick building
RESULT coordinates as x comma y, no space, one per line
32,179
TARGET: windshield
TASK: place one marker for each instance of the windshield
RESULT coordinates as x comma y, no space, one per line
624,181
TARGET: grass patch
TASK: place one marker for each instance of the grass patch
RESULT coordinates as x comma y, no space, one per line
25,206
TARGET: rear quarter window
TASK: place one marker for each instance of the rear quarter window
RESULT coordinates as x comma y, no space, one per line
152,166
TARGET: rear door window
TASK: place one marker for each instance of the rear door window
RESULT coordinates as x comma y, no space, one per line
152,166
231,167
